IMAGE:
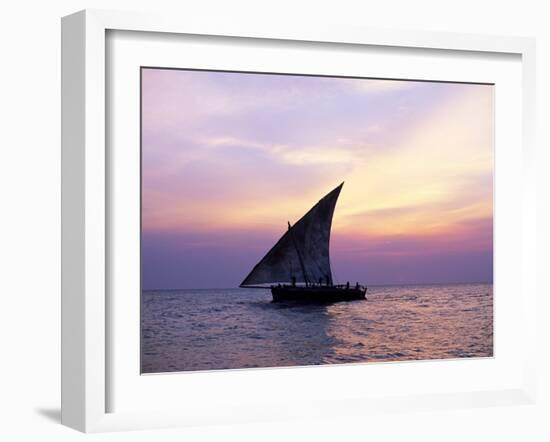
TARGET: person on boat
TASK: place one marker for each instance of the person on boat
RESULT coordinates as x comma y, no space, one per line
357,286
294,281
347,285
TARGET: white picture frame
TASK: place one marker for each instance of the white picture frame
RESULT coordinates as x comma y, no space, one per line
86,204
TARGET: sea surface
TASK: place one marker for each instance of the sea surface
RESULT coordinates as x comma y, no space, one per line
240,328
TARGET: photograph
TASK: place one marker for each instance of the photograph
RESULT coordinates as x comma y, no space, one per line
292,220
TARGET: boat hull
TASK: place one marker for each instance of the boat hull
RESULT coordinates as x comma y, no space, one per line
317,294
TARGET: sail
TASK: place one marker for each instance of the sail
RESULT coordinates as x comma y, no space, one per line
303,251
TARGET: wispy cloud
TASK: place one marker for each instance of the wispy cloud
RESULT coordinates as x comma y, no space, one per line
383,86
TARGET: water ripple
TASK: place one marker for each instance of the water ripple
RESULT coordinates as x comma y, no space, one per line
237,328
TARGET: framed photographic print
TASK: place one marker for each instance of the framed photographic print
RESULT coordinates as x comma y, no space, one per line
251,213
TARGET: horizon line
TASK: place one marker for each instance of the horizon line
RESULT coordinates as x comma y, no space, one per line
268,287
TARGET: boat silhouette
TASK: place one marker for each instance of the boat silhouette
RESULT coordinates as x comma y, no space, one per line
297,267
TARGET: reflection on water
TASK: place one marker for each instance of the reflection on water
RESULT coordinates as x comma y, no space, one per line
238,328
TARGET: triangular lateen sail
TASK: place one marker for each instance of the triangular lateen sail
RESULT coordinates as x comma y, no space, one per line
306,241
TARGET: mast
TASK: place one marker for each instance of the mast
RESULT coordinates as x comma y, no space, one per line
299,255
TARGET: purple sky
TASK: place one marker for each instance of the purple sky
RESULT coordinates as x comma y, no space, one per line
228,158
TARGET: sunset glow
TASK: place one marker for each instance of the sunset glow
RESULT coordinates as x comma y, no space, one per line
229,158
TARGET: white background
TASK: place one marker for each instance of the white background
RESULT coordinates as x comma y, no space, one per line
29,221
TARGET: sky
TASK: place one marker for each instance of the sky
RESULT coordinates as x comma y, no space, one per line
229,158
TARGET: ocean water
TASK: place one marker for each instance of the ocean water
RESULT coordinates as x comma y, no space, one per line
240,328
